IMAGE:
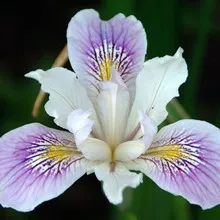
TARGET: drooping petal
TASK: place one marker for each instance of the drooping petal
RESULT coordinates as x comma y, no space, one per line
113,108
157,85
185,160
95,45
37,164
115,179
66,95
79,124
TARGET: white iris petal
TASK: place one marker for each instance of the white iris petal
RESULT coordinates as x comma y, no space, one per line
156,86
116,177
112,109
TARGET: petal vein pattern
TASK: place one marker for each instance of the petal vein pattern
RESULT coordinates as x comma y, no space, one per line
37,164
185,160
94,46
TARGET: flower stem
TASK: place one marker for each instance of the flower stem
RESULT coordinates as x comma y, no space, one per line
176,111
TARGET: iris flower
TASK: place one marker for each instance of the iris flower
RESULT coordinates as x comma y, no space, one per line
111,107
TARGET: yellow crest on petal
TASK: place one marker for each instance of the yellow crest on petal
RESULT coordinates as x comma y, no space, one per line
171,152
59,152
105,69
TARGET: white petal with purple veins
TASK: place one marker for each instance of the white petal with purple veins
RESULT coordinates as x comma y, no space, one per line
185,160
95,45
37,164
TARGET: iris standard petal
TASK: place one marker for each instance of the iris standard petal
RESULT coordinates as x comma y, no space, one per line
94,46
185,160
112,107
116,178
37,164
156,86
66,95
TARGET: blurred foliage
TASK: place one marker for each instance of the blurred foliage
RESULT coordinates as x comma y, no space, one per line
169,24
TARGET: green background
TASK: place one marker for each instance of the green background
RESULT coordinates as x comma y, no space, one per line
33,33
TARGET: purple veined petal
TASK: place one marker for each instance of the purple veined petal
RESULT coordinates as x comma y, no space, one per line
185,160
94,46
37,164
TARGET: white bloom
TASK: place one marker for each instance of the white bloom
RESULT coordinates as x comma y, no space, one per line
111,108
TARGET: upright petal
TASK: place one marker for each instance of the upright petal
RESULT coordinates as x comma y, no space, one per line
66,95
37,164
157,85
185,160
112,107
115,179
94,46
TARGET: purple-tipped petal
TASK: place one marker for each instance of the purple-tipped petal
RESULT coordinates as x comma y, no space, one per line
36,164
94,46
185,160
